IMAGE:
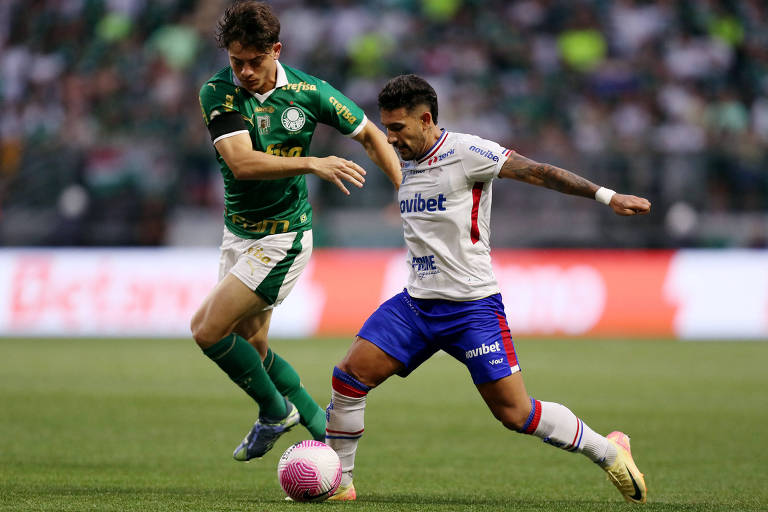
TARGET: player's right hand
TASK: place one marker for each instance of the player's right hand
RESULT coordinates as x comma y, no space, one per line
337,170
627,205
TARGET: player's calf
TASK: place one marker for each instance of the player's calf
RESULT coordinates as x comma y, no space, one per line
555,424
345,422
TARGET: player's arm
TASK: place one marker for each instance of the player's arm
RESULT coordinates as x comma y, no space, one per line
246,163
518,167
381,152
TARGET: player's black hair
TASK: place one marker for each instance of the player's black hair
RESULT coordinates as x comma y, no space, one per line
408,91
252,24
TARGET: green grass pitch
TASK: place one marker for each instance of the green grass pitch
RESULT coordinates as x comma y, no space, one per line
123,425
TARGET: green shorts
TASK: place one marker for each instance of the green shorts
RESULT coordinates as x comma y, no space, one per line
269,266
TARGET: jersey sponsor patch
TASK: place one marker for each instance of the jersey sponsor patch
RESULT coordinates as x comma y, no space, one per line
441,157
485,152
419,204
343,110
300,86
424,265
281,150
482,350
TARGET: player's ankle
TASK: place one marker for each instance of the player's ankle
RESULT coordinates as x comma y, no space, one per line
346,479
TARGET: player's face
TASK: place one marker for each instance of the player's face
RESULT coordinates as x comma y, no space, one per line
408,131
256,70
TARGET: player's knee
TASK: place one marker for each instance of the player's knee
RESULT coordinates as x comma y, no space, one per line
349,368
203,335
514,418
513,424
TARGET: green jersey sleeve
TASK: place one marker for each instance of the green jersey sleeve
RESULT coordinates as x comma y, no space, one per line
339,111
217,97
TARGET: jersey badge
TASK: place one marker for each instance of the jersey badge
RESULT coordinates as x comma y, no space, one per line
263,124
293,119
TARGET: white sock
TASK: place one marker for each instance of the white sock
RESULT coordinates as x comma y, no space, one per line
344,428
558,426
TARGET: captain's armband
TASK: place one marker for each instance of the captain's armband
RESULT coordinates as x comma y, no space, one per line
227,123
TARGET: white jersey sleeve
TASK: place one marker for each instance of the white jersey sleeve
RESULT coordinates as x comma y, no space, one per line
482,159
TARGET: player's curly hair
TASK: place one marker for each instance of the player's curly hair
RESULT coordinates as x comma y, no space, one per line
408,91
252,24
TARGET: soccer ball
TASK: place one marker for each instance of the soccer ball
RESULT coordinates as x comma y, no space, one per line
309,471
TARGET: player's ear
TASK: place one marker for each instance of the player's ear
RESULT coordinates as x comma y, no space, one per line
276,49
426,118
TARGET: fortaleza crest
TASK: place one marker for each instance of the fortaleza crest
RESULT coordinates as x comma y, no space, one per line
293,119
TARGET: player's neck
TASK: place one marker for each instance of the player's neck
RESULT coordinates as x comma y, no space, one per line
270,84
433,135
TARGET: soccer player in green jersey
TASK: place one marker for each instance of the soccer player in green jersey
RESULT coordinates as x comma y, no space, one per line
261,116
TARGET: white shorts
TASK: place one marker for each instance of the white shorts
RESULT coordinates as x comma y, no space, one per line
269,266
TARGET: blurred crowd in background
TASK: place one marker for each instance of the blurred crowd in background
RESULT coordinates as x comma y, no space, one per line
102,140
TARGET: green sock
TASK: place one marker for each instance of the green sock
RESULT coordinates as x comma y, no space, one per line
242,362
288,383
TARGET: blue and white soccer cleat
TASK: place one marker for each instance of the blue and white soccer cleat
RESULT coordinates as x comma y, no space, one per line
263,435
623,472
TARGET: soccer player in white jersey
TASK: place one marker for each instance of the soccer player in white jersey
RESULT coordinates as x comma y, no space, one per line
452,299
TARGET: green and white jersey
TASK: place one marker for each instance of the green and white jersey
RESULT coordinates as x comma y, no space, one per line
280,122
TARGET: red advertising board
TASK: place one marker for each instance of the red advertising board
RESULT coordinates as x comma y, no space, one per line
606,293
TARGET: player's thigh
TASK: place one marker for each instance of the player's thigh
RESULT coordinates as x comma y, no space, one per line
392,337
254,276
269,266
476,334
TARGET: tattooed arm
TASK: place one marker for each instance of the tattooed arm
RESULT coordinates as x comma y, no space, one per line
518,167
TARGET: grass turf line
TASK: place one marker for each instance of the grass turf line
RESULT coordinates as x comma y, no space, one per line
89,424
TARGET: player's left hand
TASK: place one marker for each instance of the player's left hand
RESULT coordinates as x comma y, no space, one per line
630,205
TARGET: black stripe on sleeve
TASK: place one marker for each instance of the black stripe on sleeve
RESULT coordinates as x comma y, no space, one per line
225,123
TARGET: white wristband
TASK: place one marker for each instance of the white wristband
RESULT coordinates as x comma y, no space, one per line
604,195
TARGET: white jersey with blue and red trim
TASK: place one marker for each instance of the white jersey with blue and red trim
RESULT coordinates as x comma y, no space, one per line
445,204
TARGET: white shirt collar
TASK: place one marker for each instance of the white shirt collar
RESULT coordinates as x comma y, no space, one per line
282,80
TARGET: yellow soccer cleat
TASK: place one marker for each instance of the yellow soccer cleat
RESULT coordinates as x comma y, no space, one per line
344,493
623,472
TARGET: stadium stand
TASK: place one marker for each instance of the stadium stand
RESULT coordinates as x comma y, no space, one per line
102,142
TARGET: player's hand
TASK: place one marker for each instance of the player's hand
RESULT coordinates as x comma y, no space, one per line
337,170
630,205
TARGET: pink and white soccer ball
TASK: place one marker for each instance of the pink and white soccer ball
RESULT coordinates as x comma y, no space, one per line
309,471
